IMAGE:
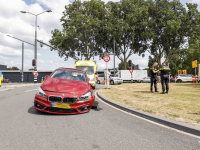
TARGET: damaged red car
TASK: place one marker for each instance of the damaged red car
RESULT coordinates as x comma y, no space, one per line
65,91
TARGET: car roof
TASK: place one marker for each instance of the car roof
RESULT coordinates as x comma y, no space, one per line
70,69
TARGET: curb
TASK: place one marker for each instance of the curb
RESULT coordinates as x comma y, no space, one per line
161,120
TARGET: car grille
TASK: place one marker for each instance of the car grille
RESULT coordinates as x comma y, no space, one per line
61,110
55,98
69,100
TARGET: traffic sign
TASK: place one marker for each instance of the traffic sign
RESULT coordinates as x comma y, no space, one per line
35,73
194,64
184,71
0,73
179,71
131,70
106,58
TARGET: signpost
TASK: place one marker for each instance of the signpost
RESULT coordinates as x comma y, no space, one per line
194,65
131,71
106,58
0,77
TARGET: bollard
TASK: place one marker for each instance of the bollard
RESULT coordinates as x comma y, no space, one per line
42,80
0,81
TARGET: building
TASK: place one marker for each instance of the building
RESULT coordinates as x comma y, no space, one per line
3,67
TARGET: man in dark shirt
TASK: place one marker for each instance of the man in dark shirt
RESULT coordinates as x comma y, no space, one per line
164,71
153,77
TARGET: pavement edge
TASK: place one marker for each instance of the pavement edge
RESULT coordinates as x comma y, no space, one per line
161,120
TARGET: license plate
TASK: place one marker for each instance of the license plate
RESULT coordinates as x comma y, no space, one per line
58,105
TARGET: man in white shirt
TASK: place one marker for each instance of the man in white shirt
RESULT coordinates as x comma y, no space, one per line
106,74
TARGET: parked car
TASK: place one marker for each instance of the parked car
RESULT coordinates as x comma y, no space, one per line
183,78
65,91
5,80
145,79
172,80
112,79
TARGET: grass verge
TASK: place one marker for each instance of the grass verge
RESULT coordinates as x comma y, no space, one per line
181,104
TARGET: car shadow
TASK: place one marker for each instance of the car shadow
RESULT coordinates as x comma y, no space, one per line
33,111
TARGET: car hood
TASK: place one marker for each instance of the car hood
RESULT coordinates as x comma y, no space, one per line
65,86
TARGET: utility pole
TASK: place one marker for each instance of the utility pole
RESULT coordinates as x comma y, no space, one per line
114,53
22,61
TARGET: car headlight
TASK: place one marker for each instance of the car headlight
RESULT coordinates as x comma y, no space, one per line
86,96
41,93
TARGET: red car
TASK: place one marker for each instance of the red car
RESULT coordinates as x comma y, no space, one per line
65,91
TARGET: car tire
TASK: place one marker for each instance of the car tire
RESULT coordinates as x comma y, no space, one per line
98,82
112,82
141,81
95,104
179,81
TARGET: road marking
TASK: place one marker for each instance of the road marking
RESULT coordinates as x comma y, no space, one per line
31,90
6,89
147,119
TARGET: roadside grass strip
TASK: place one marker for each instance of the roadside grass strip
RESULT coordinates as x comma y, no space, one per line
181,104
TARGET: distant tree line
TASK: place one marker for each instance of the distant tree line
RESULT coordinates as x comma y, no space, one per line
164,28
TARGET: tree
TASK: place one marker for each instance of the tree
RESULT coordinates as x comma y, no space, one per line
128,24
13,68
169,24
121,66
81,25
31,69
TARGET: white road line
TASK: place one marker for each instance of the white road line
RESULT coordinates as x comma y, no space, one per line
30,90
147,119
6,89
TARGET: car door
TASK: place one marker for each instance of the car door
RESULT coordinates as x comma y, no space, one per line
189,78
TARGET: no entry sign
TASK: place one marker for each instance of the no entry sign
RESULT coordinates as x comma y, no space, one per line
106,58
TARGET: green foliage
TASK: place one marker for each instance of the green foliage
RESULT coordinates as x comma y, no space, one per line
13,68
121,66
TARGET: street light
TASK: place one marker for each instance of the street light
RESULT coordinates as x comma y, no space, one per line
22,54
35,54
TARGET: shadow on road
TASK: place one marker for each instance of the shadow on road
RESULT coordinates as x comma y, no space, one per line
31,110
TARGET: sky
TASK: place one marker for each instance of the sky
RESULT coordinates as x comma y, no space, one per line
22,26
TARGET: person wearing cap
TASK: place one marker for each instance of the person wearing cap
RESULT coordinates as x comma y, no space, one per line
154,77
164,71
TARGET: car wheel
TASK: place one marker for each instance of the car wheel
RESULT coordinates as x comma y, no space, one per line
179,81
141,81
95,104
98,82
112,82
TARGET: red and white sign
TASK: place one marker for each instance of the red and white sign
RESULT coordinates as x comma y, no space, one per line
194,78
131,70
106,58
35,73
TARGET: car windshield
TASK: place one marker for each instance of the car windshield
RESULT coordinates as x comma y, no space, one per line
88,70
69,75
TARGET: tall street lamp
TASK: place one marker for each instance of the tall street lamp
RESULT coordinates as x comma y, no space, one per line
35,54
22,54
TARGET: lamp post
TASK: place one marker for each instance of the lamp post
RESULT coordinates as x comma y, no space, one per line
22,54
35,54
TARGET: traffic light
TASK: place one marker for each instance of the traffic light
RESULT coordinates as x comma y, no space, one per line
41,44
129,63
79,53
95,53
33,62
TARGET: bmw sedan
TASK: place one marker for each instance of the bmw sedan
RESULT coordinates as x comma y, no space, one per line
65,91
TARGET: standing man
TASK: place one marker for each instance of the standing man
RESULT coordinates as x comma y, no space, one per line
153,77
106,75
165,72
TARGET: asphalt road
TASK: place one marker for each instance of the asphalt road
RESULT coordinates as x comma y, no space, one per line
23,128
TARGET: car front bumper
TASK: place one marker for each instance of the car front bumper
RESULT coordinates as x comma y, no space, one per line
78,107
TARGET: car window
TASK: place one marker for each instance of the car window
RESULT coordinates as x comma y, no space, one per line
182,75
101,75
69,75
87,69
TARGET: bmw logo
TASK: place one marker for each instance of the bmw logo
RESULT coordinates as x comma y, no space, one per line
63,94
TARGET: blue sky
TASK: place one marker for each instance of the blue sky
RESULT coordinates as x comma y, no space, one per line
22,26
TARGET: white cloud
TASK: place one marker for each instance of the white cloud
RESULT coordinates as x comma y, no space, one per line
6,51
